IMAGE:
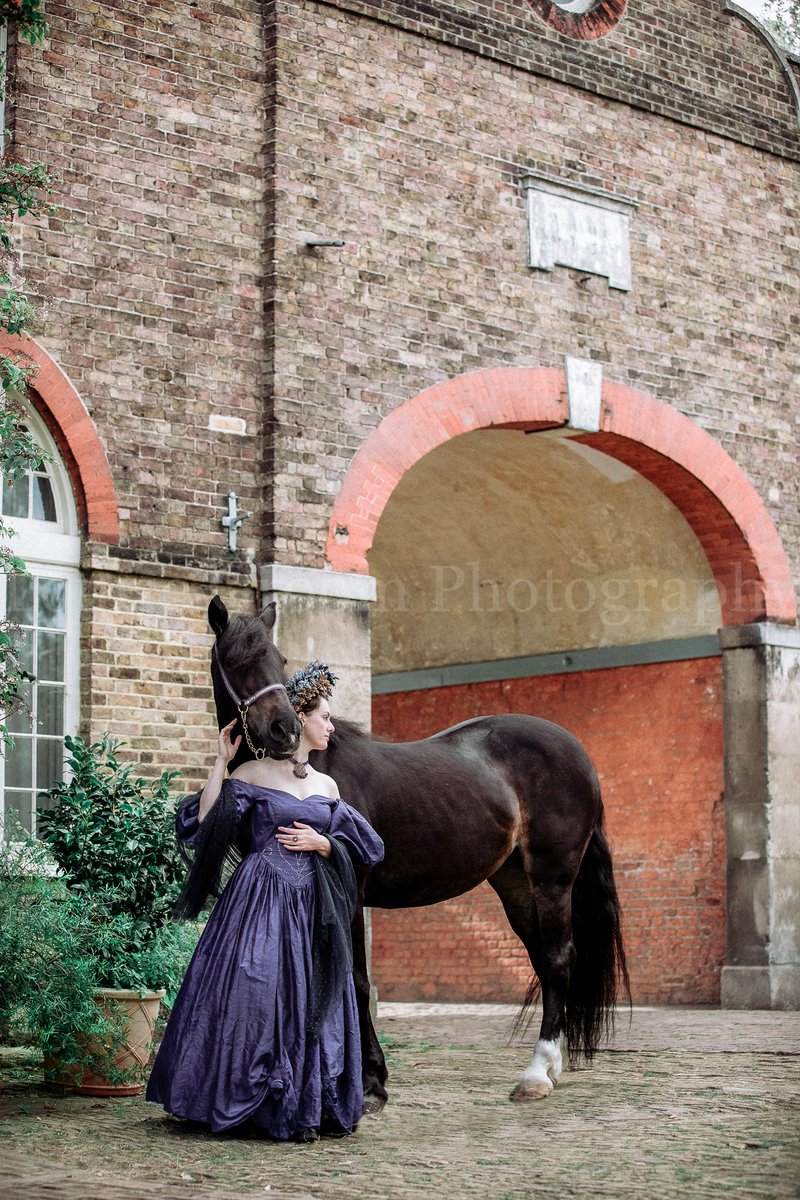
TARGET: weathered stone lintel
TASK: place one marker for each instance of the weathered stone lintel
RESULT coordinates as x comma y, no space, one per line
312,581
325,615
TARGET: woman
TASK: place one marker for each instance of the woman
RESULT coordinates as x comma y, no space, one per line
265,1029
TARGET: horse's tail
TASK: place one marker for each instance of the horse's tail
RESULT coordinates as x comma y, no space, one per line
600,970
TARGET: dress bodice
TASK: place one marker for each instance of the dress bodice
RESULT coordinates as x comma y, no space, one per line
262,810
265,810
273,808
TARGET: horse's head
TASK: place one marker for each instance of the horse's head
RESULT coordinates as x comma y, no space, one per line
247,671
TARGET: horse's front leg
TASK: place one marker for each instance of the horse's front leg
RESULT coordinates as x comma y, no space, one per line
373,1063
554,965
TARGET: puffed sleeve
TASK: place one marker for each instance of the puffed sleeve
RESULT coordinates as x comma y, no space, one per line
361,840
187,825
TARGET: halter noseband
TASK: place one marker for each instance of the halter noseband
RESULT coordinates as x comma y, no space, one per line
243,705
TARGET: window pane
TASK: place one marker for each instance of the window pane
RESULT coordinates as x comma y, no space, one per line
49,761
19,771
20,805
44,505
15,497
50,710
50,661
19,599
20,722
23,644
52,596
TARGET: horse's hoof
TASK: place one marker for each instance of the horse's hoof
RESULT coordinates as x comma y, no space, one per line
533,1090
373,1105
306,1135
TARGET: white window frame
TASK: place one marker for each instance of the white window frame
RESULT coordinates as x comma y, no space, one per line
53,550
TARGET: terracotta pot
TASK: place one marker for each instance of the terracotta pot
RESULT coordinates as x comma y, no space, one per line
141,1010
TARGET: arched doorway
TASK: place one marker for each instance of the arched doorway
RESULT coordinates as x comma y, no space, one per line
618,549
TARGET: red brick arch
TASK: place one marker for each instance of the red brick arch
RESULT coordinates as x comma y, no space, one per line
73,429
681,459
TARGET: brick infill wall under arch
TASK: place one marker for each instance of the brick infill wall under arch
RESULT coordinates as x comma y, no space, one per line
655,735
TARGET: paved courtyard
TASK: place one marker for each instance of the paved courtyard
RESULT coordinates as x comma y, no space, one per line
683,1103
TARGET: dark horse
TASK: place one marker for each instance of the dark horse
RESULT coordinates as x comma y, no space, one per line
511,799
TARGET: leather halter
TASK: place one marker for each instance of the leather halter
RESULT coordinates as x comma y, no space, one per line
259,752
243,705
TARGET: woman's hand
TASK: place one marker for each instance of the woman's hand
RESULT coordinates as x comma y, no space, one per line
226,750
303,837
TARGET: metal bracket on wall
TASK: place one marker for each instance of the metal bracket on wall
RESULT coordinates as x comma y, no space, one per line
311,241
233,520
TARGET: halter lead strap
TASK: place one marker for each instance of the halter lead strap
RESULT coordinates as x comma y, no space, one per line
243,705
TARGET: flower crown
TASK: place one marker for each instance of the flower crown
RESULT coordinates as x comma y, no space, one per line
312,682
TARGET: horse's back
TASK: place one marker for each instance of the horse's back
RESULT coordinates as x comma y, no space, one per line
519,731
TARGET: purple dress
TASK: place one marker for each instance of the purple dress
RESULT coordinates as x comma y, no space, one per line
236,1047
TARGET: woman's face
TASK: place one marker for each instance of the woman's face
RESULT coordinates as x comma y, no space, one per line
317,726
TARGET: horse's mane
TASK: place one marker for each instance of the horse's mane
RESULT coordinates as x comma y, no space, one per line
349,731
349,750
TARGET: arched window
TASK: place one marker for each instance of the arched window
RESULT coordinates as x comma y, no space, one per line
45,605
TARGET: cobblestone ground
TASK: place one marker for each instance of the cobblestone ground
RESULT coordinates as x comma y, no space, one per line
690,1103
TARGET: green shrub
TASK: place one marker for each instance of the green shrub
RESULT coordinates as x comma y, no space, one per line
48,966
89,906
113,835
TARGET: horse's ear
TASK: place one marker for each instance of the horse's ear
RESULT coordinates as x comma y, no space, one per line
269,614
217,615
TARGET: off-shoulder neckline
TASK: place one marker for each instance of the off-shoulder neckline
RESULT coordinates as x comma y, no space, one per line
259,787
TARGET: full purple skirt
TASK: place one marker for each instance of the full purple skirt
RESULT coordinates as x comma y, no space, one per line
235,1048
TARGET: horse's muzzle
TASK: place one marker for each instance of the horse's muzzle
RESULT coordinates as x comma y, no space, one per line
283,738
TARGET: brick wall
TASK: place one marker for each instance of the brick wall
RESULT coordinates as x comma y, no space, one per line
149,277
145,665
655,734
193,143
411,150
689,61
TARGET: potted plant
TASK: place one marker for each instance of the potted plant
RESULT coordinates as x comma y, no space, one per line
85,916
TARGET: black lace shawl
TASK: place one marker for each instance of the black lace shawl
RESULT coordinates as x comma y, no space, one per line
212,856
216,851
332,950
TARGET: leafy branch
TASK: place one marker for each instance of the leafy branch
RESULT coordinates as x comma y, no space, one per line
27,16
782,18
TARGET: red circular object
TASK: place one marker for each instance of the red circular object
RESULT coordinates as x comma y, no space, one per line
599,18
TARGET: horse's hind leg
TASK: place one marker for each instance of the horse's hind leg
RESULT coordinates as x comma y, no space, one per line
540,915
373,1063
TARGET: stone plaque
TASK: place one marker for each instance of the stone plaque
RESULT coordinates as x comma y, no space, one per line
578,227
